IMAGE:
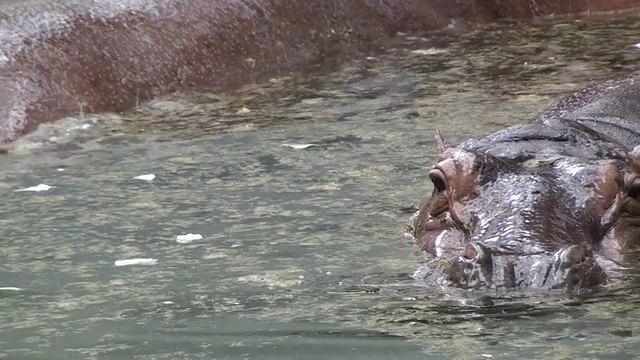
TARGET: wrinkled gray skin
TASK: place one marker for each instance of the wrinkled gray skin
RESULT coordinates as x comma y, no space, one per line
554,203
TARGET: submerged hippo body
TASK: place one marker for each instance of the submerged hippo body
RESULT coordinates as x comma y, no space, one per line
63,57
554,203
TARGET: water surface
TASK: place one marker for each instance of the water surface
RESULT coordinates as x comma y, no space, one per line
302,255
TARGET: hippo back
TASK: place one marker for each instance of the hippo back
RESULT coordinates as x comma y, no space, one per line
612,109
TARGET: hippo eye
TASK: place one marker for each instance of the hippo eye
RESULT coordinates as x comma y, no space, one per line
437,178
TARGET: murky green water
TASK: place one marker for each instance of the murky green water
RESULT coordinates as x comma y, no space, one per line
302,255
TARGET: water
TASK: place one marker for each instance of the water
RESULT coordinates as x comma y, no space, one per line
302,255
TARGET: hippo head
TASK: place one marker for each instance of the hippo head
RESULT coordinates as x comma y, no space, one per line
531,206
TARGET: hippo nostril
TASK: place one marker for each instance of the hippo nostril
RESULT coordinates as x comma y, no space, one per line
573,255
471,252
578,254
476,252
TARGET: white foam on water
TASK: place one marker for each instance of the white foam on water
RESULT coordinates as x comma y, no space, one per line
243,110
137,261
37,188
187,238
298,146
430,51
145,177
10,288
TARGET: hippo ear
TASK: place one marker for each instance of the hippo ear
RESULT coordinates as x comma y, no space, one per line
634,159
441,145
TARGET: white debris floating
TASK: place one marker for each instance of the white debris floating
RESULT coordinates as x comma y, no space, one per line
10,288
298,146
37,188
187,238
430,51
145,177
138,261
243,110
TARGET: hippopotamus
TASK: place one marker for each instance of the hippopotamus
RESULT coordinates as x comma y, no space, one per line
59,58
553,203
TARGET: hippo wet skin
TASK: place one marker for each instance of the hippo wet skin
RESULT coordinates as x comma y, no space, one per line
59,58
554,203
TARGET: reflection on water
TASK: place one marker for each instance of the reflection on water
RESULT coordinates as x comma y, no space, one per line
302,254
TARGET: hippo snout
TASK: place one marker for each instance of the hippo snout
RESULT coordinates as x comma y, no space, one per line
574,268
481,266
472,269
